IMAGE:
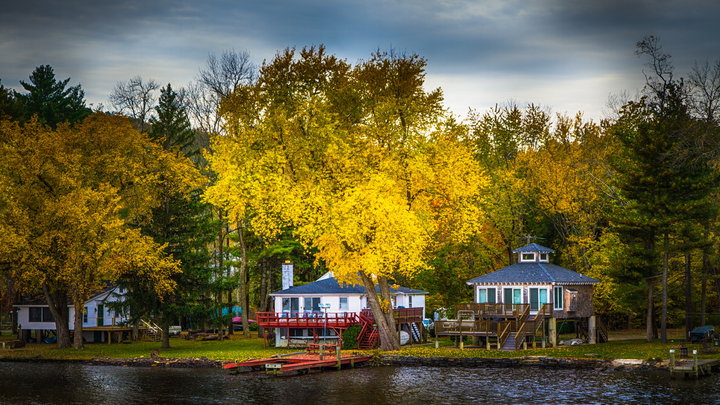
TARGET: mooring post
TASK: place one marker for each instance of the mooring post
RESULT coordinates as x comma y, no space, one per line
337,356
672,360
322,351
695,362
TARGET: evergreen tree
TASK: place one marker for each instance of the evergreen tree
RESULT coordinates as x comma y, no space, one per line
10,104
51,100
172,127
184,223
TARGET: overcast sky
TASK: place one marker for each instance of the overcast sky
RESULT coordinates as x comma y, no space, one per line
566,55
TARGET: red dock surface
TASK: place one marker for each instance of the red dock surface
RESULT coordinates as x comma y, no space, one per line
299,362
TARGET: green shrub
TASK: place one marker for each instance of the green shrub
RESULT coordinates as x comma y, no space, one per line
350,337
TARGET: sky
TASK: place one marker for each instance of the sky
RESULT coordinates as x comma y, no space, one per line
564,55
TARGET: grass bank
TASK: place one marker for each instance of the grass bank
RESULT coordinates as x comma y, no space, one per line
239,348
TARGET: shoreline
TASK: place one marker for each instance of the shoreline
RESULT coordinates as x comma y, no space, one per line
380,361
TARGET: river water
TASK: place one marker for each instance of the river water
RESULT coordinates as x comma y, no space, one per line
70,383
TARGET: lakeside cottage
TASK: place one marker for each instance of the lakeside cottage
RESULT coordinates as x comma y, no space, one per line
521,303
322,310
99,320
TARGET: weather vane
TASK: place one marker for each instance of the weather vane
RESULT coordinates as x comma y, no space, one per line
529,238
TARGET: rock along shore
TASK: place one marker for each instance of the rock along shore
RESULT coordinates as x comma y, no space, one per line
531,361
385,360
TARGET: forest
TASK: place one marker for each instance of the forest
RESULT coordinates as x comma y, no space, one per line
192,198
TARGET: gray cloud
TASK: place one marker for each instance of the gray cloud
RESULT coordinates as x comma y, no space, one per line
536,50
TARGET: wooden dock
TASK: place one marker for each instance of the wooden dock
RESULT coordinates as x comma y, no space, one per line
318,357
692,367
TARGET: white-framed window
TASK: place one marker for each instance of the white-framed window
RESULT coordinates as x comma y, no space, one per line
538,297
344,303
558,303
544,257
85,315
410,301
486,295
312,304
40,314
527,256
512,295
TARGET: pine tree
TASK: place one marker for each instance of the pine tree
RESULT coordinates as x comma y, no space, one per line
172,127
51,100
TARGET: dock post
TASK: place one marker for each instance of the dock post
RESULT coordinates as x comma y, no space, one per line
338,357
672,360
437,344
592,332
695,363
462,343
322,351
552,331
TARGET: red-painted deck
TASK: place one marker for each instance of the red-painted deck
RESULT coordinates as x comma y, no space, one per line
300,362
342,320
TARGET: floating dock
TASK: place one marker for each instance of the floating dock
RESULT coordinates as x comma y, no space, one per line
693,367
317,357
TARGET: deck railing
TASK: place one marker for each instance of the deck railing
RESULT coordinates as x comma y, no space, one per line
307,319
402,315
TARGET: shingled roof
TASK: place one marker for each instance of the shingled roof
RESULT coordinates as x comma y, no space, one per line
533,273
533,247
331,286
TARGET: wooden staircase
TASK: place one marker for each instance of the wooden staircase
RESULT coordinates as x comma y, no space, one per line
369,337
509,344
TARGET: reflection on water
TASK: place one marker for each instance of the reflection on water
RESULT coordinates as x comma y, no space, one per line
64,383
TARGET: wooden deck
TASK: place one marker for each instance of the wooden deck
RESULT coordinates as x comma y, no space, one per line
693,367
318,357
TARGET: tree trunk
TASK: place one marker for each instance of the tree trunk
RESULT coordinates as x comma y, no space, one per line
242,290
388,337
57,302
703,287
663,315
78,323
649,319
688,294
165,338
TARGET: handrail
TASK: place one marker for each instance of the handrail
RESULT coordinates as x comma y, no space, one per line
502,337
521,329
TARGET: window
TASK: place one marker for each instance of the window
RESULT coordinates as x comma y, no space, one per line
85,315
512,296
527,257
538,297
312,304
344,303
40,315
543,257
35,314
290,304
558,295
486,295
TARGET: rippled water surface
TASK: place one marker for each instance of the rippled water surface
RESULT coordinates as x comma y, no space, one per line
63,383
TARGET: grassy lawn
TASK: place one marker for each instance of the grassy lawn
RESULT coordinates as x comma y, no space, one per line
234,349
630,346
615,349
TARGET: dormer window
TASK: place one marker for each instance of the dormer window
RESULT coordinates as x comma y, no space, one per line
527,257
544,257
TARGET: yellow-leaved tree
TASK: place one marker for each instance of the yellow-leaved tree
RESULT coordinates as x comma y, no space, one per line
360,160
71,197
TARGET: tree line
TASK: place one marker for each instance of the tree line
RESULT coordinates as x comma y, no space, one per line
190,199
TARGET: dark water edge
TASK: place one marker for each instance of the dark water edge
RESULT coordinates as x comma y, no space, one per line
73,383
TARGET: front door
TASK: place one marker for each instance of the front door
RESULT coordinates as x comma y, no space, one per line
511,296
100,315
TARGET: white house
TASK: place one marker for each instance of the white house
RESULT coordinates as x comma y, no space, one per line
97,316
324,307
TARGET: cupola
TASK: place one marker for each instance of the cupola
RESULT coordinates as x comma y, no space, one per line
533,253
